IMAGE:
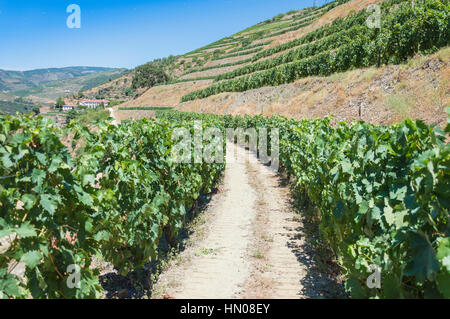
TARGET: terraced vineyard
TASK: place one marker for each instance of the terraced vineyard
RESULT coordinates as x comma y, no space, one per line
138,201
240,48
343,45
252,58
316,44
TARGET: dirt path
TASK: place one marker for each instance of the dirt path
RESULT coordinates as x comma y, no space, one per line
113,115
250,245
278,273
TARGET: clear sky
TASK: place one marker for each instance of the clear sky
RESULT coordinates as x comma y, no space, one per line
117,33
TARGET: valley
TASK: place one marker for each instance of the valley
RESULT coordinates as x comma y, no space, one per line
43,87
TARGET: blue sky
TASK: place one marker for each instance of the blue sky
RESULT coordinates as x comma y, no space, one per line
115,33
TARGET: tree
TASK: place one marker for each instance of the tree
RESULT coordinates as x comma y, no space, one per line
60,103
129,91
37,110
148,75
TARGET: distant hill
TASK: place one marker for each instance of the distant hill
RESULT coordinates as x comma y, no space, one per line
48,84
20,80
19,105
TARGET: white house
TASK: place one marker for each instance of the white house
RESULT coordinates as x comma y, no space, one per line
92,104
69,107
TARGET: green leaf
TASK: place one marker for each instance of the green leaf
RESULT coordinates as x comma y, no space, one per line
398,192
347,167
5,232
9,286
363,208
102,235
41,158
48,203
389,215
353,286
376,213
394,218
29,200
83,197
88,179
88,225
25,230
31,259
7,161
55,165
423,263
339,211
391,286
38,176
443,280
443,253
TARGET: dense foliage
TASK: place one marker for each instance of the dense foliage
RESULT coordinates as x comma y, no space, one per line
116,200
383,195
148,75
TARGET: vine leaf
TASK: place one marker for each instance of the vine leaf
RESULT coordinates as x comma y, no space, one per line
25,230
49,204
31,258
423,263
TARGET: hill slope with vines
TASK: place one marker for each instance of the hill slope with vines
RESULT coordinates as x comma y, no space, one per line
318,61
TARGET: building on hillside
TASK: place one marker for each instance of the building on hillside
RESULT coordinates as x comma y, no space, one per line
92,104
69,107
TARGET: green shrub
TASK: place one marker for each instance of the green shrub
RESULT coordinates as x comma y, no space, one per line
147,75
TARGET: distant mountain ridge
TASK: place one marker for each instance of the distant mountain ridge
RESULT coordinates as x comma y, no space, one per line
21,80
42,85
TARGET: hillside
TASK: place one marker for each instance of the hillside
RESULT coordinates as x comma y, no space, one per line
223,55
17,106
270,68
